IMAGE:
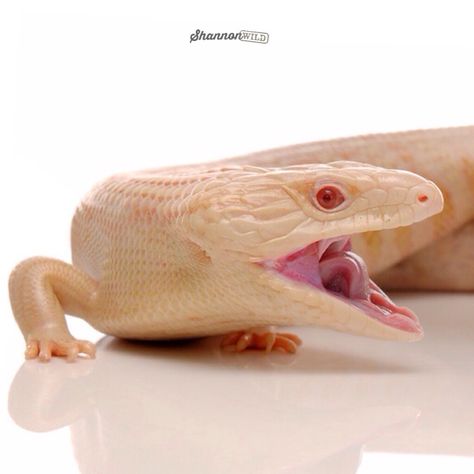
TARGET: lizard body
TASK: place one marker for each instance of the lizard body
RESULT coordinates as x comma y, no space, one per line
282,237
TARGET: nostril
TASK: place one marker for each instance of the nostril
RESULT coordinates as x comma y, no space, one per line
422,197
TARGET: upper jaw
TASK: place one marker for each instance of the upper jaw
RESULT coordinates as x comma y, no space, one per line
330,266
297,231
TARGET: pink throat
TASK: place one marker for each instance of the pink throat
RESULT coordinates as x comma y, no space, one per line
330,266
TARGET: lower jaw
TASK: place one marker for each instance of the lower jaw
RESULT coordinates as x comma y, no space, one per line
380,307
360,292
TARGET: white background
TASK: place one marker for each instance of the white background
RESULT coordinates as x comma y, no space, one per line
94,87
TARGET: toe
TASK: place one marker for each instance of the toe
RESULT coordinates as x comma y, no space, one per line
243,342
270,341
32,349
45,351
72,351
86,347
285,344
293,337
231,339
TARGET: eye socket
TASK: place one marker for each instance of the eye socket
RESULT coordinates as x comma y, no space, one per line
329,197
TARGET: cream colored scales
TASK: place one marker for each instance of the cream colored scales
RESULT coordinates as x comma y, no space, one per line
282,237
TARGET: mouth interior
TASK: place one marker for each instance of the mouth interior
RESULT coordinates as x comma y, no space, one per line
331,266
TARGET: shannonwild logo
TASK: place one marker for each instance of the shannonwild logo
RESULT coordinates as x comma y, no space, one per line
243,35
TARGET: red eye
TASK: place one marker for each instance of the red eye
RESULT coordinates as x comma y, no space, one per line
329,197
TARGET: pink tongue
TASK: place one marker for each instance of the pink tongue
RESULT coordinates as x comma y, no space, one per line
345,273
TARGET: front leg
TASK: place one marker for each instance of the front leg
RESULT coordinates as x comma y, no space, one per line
261,339
41,291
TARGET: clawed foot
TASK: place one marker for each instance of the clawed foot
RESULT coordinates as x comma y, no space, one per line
44,348
268,341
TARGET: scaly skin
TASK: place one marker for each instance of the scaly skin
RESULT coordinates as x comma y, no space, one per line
184,252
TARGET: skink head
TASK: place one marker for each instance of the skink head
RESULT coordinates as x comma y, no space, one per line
264,213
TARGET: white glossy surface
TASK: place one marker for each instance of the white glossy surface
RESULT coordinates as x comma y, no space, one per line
343,404
92,88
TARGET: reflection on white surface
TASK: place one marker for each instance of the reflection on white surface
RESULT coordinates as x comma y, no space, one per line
187,407
388,463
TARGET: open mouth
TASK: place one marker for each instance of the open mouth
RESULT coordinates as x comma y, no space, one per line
330,266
